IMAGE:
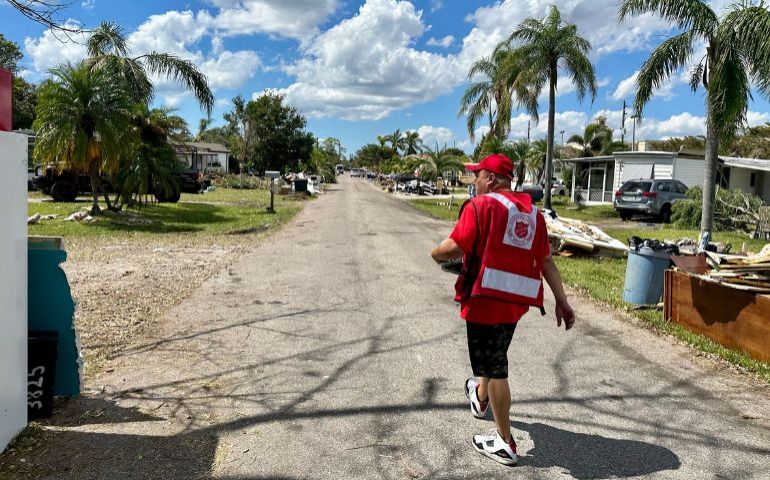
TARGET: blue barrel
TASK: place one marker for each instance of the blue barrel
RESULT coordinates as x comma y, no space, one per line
644,275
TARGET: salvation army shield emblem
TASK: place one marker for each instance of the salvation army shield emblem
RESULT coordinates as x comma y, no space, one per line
521,229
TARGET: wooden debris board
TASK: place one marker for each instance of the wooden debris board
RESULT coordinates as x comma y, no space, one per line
734,318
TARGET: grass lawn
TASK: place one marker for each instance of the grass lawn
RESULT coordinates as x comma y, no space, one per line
603,278
224,211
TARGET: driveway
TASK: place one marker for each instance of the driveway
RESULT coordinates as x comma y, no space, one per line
334,351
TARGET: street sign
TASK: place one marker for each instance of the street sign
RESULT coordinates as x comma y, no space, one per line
272,174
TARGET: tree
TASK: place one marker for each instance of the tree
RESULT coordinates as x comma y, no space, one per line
24,103
536,160
596,139
280,140
84,123
10,54
737,55
412,143
242,132
108,50
437,162
397,141
155,167
545,46
24,96
45,12
374,156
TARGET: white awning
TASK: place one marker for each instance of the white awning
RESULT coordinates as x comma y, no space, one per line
748,163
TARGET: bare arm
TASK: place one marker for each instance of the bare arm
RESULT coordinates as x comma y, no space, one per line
446,250
553,278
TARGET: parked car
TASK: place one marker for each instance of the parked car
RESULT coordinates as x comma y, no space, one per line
558,187
340,169
535,191
648,197
65,185
356,172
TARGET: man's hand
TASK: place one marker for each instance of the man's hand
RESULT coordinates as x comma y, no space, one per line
447,250
564,312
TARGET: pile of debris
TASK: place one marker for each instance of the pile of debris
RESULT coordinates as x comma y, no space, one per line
568,235
751,273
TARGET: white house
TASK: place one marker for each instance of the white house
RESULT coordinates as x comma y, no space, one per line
597,178
204,156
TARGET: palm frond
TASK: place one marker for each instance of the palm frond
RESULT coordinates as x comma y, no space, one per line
664,61
181,71
749,27
107,38
729,92
693,15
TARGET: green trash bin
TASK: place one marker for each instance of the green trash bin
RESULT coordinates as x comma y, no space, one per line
52,309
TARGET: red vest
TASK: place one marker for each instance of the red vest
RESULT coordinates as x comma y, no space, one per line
511,265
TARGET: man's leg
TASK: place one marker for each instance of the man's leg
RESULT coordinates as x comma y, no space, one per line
500,401
483,388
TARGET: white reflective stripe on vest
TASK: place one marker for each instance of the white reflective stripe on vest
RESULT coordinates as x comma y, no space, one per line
510,283
521,228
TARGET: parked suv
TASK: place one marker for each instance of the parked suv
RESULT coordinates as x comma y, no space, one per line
648,197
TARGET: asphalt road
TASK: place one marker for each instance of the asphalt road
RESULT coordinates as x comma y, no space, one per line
335,352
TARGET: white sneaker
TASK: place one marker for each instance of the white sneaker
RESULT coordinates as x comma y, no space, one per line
478,408
494,447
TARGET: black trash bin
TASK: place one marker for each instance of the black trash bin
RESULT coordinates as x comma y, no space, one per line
300,185
41,371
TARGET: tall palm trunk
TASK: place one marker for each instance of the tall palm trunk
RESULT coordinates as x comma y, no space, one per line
709,174
93,175
549,140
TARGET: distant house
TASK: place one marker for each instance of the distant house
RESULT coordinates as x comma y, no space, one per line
597,179
204,156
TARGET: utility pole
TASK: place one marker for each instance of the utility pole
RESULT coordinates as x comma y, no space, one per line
633,133
623,124
528,132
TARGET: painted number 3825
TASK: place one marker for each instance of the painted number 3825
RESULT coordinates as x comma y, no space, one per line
35,379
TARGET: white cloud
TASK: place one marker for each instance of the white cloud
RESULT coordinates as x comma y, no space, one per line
88,4
757,118
337,77
626,89
297,19
436,5
50,50
230,69
445,42
430,135
171,32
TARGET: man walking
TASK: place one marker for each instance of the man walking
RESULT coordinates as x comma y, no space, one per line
503,240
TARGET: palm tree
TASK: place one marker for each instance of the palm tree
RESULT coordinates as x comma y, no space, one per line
596,139
737,52
397,141
536,159
382,140
156,167
545,46
412,143
108,49
84,124
493,95
437,162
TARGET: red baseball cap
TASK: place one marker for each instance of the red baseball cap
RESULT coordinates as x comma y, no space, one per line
496,163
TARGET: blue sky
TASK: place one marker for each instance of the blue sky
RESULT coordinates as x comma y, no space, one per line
362,68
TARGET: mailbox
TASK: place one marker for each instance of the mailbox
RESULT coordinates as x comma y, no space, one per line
272,174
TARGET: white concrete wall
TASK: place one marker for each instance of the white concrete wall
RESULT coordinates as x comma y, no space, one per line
13,286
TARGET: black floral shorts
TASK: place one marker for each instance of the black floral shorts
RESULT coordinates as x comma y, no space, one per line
488,348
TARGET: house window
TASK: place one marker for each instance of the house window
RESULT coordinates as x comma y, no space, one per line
753,179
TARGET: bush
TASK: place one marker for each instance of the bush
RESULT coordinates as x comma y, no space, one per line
733,210
240,182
